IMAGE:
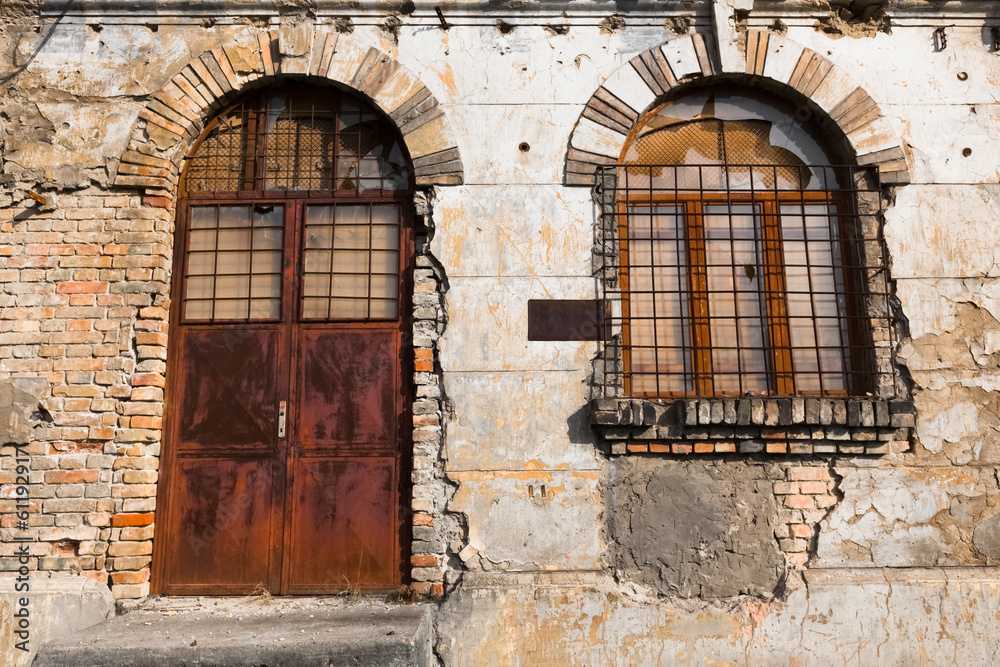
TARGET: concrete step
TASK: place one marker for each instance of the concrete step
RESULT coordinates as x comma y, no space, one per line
254,631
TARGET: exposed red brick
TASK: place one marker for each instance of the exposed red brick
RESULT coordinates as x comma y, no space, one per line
814,487
156,202
70,287
148,380
132,519
801,530
70,476
423,560
140,577
798,502
808,473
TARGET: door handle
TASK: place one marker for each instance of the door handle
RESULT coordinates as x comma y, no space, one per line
282,409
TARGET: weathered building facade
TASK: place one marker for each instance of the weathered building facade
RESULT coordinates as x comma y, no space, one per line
632,333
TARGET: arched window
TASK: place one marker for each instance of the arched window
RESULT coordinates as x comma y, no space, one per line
744,270
299,143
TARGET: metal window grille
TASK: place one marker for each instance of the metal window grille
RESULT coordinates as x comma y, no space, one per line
298,143
736,280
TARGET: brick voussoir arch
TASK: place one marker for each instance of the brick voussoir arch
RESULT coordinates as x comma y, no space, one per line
603,127
175,116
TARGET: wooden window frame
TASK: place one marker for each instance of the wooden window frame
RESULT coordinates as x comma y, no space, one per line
777,349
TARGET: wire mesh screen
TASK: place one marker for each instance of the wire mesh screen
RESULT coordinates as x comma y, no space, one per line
726,280
305,141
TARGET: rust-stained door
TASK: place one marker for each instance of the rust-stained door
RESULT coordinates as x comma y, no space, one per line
284,462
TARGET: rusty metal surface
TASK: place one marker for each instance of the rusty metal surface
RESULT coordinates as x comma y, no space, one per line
348,382
229,388
342,526
222,521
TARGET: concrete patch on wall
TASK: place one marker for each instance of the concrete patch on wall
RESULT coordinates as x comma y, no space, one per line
19,409
693,528
111,60
58,606
908,517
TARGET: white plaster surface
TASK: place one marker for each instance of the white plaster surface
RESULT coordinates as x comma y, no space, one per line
488,326
518,528
940,231
490,135
531,65
519,421
951,425
930,304
527,231
887,516
936,136
904,68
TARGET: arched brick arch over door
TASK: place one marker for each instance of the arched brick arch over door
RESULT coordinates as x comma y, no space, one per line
601,132
175,116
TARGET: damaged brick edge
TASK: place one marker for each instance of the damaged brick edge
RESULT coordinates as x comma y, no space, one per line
771,425
436,532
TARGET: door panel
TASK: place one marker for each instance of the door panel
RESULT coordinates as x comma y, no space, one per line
221,525
349,388
343,529
229,388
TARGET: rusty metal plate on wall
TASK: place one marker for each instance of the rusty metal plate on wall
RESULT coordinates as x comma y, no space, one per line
568,319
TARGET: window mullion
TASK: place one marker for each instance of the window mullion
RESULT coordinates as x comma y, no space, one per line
775,285
698,289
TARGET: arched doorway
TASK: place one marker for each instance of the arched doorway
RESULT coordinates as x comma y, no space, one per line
288,418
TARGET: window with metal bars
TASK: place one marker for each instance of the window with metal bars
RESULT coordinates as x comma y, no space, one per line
298,139
294,204
740,263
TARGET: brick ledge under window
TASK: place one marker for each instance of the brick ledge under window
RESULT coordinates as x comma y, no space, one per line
774,425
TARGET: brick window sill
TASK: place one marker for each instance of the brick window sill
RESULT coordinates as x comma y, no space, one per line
770,425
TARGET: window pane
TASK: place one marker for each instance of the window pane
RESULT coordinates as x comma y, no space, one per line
232,247
233,262
815,296
201,263
313,138
657,301
733,253
361,282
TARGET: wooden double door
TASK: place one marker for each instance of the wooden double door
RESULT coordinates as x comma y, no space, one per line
288,405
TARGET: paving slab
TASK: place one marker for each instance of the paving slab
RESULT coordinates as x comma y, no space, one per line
257,631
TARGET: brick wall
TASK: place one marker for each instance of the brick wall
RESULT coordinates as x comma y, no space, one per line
806,494
84,306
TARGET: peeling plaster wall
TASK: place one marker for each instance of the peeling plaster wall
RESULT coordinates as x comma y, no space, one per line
532,493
